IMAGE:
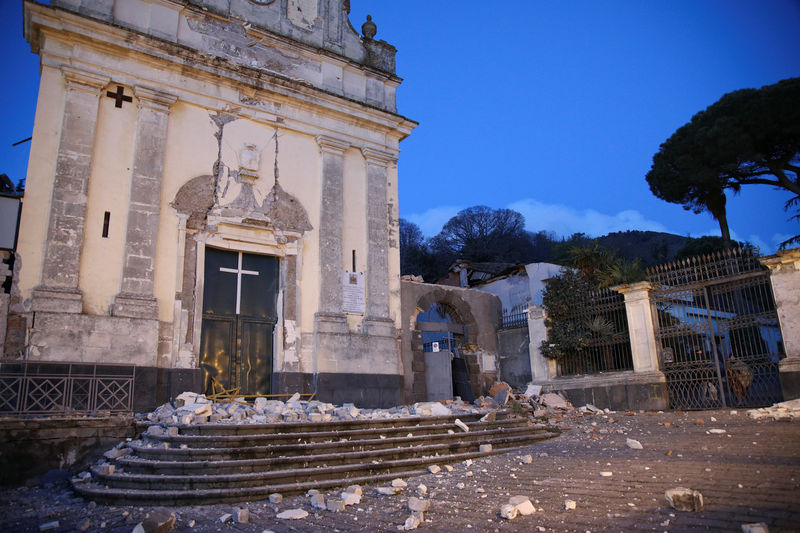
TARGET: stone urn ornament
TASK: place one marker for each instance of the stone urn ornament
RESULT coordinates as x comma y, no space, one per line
369,28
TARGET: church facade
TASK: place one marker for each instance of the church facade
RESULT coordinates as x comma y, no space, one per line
212,197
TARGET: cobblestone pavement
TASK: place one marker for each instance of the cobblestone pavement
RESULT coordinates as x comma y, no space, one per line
749,474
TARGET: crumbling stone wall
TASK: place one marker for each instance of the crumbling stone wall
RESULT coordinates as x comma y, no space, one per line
479,312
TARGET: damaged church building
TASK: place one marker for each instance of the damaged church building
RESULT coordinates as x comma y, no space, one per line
212,198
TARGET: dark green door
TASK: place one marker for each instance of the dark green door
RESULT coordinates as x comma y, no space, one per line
240,297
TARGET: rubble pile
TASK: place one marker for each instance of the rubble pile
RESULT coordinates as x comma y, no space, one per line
191,408
780,411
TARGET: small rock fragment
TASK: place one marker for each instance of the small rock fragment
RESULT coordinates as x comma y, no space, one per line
523,505
389,491
683,499
275,498
242,516
717,431
526,459
335,505
49,525
434,469
422,489
634,444
226,518
461,425
292,514
159,520
569,505
759,527
508,511
412,522
485,448
397,482
418,504
318,501
606,474
354,489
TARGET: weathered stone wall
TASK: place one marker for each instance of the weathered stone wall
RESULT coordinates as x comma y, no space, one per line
479,312
785,278
30,447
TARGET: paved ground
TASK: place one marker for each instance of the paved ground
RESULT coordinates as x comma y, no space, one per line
750,473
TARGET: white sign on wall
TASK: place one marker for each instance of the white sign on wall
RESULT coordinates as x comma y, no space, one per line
353,293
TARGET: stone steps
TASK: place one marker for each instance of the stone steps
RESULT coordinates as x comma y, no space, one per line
196,469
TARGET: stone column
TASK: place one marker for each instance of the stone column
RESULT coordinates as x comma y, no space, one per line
542,368
330,316
59,289
785,279
136,295
641,325
377,319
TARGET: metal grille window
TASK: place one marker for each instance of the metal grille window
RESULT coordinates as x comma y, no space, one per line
47,388
600,318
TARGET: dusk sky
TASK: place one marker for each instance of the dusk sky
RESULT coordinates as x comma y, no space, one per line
554,109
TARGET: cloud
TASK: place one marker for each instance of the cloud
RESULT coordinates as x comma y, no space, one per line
431,221
564,221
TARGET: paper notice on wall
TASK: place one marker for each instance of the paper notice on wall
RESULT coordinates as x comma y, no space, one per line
353,294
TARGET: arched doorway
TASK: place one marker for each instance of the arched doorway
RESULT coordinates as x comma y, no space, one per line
443,332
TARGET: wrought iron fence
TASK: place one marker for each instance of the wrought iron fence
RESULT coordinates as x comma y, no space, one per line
720,340
514,320
28,387
601,319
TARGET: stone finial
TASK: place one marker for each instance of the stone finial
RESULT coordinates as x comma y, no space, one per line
369,28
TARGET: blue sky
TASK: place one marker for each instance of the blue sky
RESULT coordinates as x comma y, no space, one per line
554,109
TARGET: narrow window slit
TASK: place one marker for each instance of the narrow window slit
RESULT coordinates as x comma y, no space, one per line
354,260
106,221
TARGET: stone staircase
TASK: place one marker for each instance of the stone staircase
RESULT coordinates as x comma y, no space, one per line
214,463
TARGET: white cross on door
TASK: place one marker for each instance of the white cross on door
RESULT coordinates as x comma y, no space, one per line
238,271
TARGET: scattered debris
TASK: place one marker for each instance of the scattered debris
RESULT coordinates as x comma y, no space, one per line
485,448
159,520
789,410
683,499
716,431
759,527
292,514
526,459
434,469
570,505
418,504
49,525
461,425
275,498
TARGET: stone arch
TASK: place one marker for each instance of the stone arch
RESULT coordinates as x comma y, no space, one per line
463,313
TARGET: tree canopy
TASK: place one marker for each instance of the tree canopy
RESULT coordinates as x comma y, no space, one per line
749,136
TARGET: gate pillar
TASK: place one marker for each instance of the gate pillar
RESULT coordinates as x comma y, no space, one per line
641,325
542,368
784,277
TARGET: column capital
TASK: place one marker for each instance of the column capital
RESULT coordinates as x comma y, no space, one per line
634,291
784,260
332,145
154,99
378,157
83,80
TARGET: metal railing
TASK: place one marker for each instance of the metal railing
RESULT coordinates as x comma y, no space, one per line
33,387
514,320
602,320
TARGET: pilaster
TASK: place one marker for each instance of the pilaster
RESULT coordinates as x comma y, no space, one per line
59,290
377,319
136,292
330,318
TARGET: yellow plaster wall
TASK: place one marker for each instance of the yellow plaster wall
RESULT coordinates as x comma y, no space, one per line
191,152
39,181
354,234
109,190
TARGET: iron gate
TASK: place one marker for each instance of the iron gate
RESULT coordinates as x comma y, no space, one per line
720,340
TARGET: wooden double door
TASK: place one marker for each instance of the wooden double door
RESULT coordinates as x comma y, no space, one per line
240,296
